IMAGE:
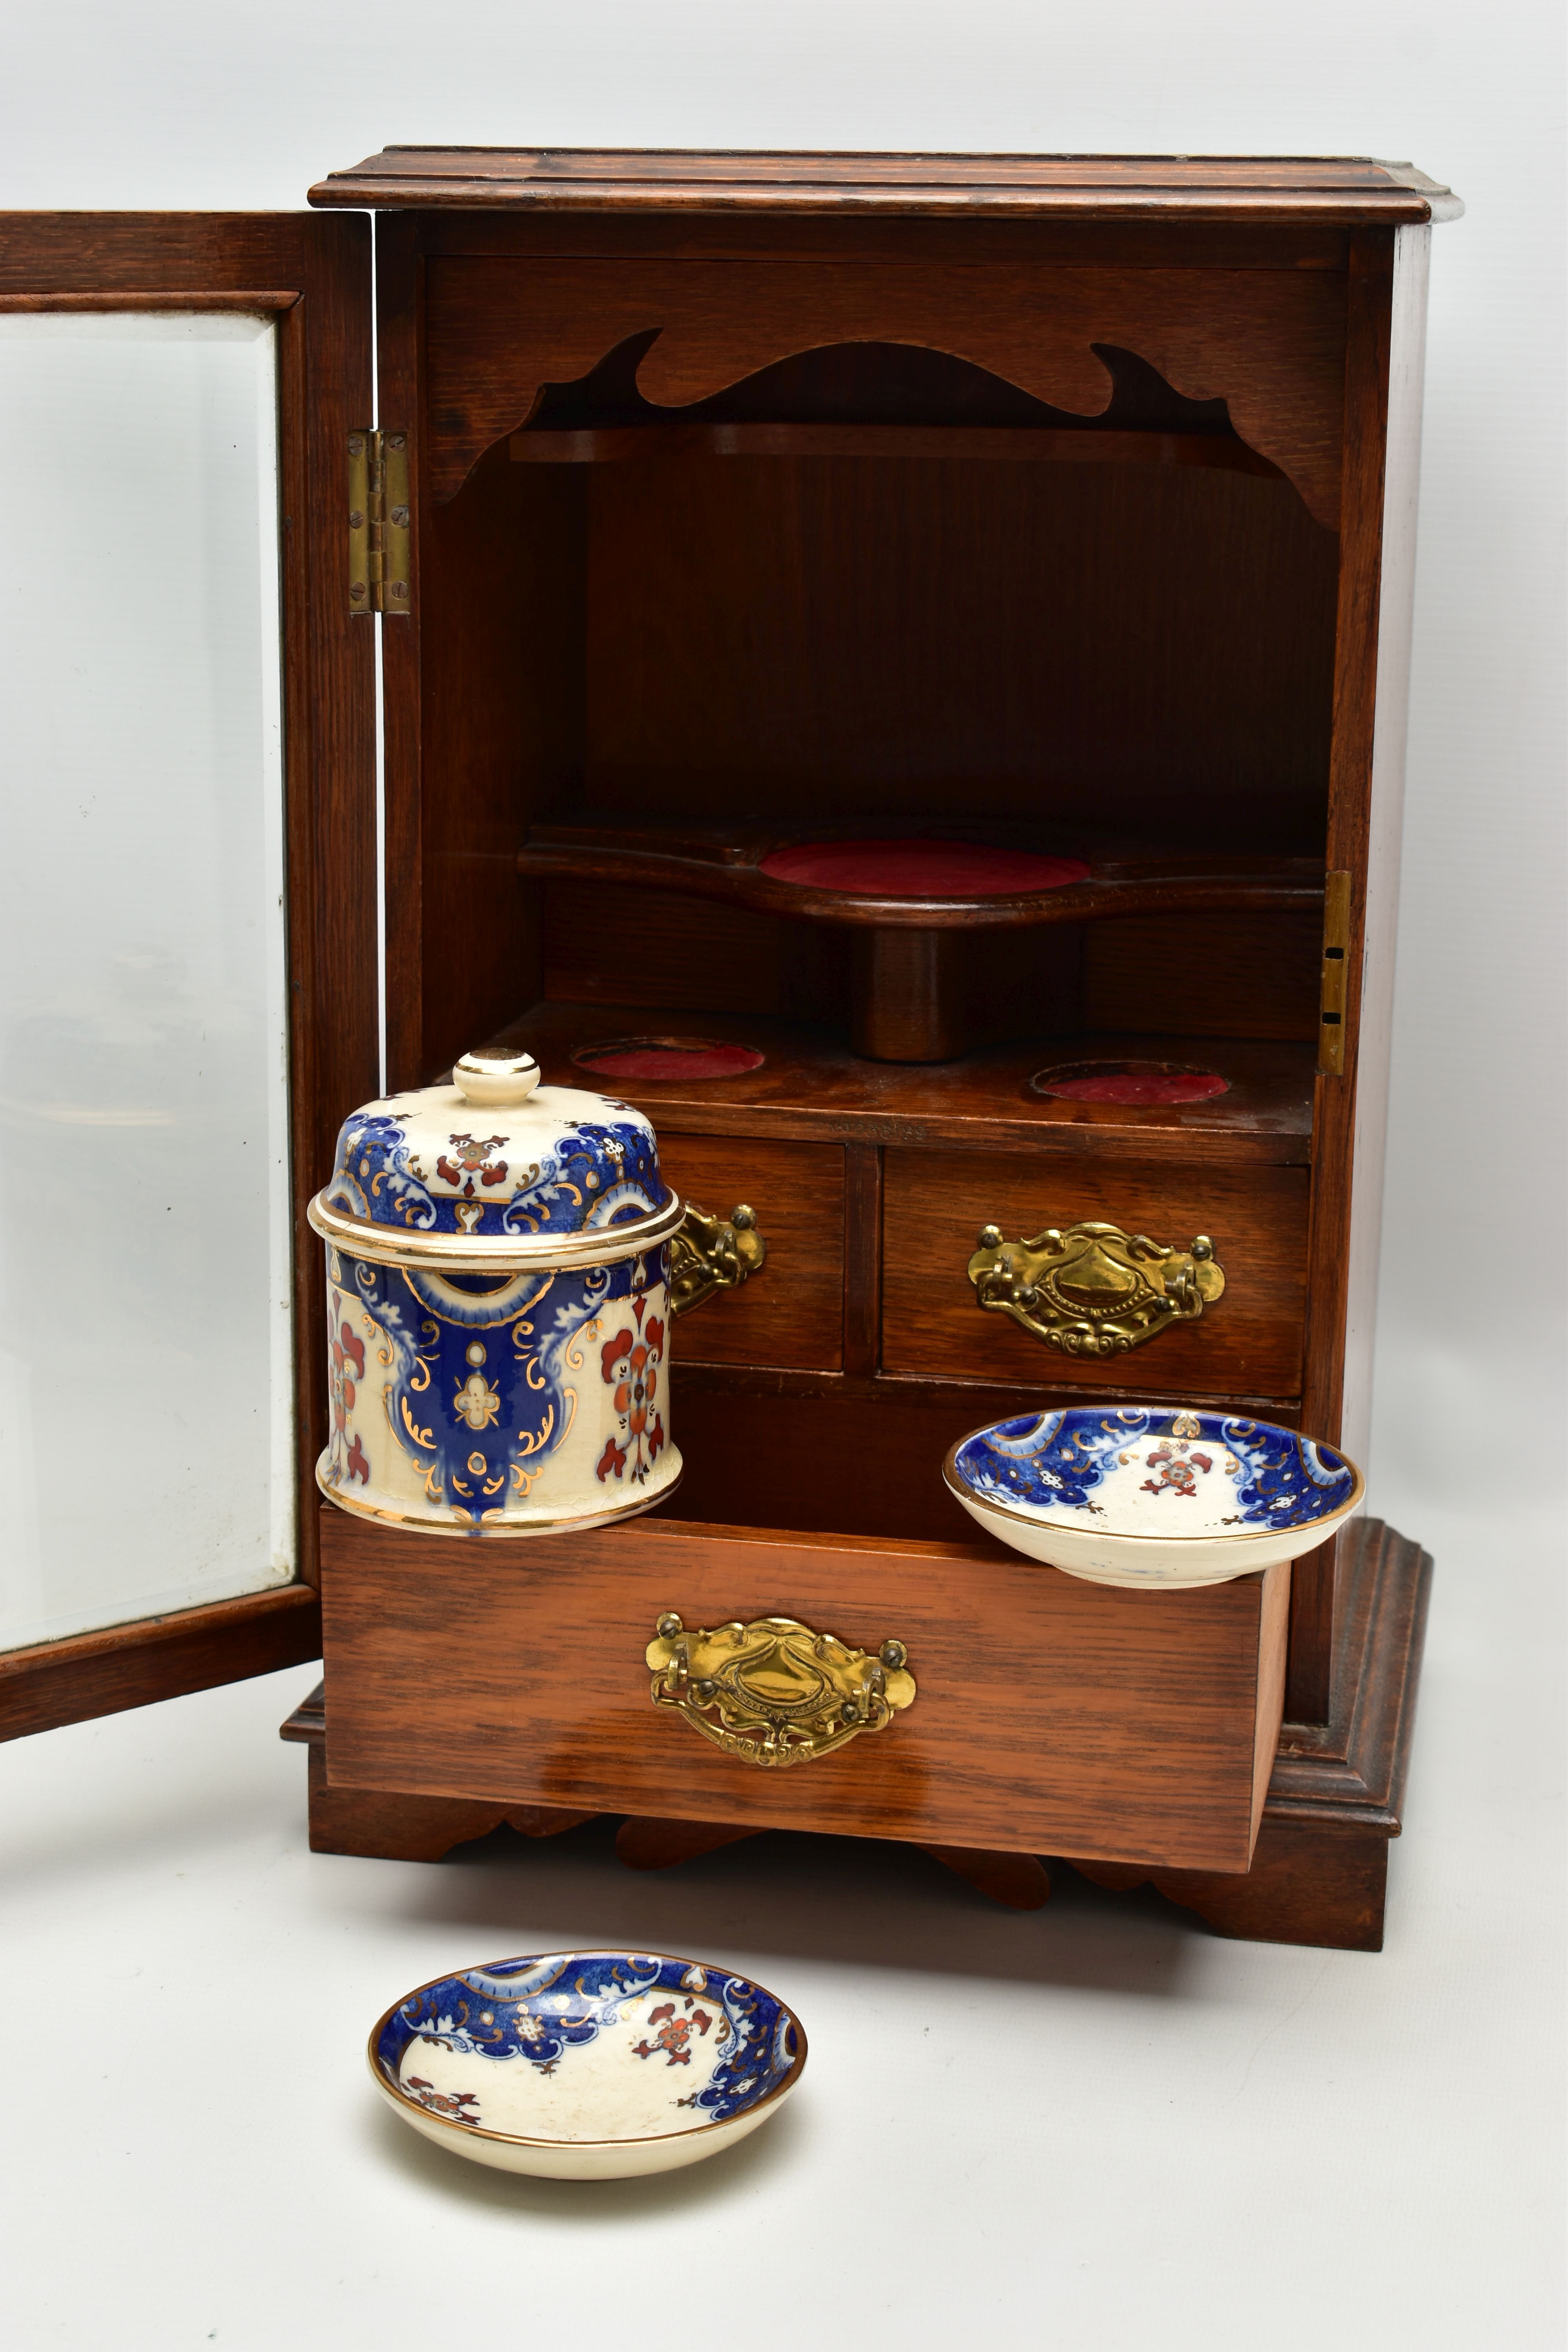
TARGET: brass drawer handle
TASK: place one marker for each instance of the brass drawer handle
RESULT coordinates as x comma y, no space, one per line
773,1691
709,1253
1093,1290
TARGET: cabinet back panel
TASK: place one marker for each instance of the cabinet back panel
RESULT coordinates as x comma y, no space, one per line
1131,652
605,943
501,596
1210,975
858,1463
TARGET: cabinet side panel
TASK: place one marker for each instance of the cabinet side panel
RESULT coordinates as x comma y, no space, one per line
1397,603
1370,288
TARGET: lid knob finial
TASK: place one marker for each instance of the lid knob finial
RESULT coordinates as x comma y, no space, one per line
494,1079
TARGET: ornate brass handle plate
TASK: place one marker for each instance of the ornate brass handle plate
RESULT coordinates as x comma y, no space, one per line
773,1691
709,1254
1093,1290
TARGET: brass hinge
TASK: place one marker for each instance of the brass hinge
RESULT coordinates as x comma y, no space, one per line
379,557
1336,986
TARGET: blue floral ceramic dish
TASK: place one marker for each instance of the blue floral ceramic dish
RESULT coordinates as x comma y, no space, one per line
1140,1494
588,2065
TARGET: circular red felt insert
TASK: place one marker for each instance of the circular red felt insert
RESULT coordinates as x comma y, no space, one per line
1137,1087
668,1057
920,869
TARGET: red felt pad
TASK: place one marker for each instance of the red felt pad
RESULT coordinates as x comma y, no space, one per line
664,1061
921,869
1142,1086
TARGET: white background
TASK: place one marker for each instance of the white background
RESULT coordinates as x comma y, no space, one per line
1095,2127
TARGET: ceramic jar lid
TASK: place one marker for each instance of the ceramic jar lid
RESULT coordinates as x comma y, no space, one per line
496,1171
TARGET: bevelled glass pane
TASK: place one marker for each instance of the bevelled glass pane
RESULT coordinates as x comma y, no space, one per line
146,1458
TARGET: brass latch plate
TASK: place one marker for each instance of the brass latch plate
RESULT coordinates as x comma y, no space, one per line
379,576
1335,984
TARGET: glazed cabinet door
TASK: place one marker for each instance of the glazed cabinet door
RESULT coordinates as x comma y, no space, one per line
189,984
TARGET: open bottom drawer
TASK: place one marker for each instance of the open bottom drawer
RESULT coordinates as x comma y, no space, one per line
1050,1716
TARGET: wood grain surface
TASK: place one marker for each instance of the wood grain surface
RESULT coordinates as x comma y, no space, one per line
696,954
1349,849
810,1085
1125,650
729,865
1247,1344
610,444
1210,975
1216,974
1052,1715
1217,660
792,1313
1271,344
157,1658
843,1429
1320,1866
1284,189
1323,1883
500,595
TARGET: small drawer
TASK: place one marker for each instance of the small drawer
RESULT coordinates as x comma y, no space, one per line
1248,1343
792,1313
1049,1715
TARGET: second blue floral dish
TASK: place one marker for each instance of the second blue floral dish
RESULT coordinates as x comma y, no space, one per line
1142,1494
588,2065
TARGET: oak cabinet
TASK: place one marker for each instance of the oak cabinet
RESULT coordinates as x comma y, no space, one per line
1039,529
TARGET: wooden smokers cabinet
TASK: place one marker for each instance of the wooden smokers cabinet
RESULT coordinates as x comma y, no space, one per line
877,653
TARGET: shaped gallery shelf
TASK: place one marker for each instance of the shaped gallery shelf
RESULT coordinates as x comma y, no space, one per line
913,904
1026,444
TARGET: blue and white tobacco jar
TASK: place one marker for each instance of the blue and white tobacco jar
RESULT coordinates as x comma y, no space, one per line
498,1260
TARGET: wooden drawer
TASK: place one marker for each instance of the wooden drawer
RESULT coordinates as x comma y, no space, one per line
1050,1717
1248,1345
792,1314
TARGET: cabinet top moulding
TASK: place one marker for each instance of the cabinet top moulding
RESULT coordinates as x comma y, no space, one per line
1353,190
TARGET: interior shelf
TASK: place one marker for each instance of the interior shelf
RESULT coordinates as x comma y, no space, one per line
729,862
804,1083
881,401
609,444
917,910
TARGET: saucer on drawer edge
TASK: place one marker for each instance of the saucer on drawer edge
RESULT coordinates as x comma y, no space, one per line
588,2065
1152,1494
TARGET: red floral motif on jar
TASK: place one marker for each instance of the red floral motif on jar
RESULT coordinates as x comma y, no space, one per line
630,1364
348,1368
472,1159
